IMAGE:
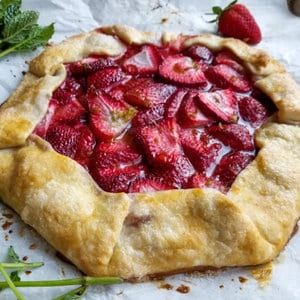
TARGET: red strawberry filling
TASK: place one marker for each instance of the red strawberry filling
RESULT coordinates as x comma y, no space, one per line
157,118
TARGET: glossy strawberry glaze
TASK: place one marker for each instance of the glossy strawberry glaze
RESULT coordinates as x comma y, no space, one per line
157,118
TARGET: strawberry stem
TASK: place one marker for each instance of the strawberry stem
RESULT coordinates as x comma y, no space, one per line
218,11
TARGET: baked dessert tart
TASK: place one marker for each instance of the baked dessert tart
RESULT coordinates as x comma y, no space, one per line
135,154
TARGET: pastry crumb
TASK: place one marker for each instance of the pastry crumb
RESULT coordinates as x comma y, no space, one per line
183,289
33,246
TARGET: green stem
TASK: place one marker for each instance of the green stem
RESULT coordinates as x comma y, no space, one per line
21,266
64,282
9,50
10,284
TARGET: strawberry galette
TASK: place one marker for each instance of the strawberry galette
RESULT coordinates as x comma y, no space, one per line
134,154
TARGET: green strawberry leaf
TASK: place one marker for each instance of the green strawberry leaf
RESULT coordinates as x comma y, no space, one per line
217,10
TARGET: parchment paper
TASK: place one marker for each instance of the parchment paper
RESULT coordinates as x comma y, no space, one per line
281,37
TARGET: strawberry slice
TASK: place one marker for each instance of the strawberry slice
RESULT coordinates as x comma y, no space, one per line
63,138
230,166
160,142
146,185
42,127
225,77
253,111
199,53
235,136
73,112
183,70
201,154
117,180
148,93
106,77
228,58
149,116
85,145
176,173
144,62
115,155
69,90
90,65
221,104
108,117
173,103
190,115
198,180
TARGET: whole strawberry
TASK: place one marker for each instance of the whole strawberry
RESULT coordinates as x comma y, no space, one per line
236,21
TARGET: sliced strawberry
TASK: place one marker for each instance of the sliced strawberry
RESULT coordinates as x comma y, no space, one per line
42,127
146,61
148,93
63,139
221,104
115,155
106,77
235,136
117,180
72,112
230,166
176,173
198,180
173,103
201,154
85,145
117,92
199,53
183,70
69,90
190,115
253,111
160,142
149,116
146,185
90,65
108,117
228,58
226,77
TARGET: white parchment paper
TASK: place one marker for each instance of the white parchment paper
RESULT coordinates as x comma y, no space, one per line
281,37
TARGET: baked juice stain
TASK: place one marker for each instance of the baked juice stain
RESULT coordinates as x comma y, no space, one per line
6,225
183,289
33,246
166,286
242,279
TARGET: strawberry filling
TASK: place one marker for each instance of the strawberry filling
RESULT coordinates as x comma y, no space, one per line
157,118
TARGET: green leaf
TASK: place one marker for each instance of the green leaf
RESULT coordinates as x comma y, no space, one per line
73,295
10,13
12,255
20,27
217,10
14,276
4,4
38,36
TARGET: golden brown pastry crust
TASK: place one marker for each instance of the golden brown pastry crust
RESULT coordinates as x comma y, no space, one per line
136,235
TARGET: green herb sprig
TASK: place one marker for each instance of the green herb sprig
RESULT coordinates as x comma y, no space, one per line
19,30
13,279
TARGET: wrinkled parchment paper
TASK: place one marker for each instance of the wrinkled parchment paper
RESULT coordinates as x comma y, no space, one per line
281,37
